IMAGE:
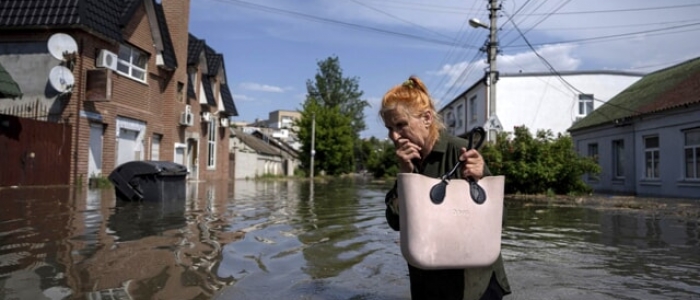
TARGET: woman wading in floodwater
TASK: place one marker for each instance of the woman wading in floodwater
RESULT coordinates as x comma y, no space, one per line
423,146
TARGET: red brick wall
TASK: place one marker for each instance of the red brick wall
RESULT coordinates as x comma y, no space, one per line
153,102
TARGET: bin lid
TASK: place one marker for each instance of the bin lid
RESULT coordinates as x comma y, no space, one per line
156,167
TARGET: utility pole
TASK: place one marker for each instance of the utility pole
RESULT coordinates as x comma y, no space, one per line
313,140
493,71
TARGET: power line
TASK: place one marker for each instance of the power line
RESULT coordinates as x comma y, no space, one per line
554,71
615,26
546,16
467,38
341,23
622,10
615,36
400,19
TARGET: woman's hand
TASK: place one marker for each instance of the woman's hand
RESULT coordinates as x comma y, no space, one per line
474,164
406,153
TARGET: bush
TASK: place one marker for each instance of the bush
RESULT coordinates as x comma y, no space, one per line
540,164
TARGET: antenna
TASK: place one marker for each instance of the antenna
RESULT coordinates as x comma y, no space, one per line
60,44
61,79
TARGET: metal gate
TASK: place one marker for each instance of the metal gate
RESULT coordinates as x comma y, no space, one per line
34,152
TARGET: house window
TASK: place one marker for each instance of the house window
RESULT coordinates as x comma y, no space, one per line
472,108
692,153
132,63
651,157
593,154
211,142
180,92
585,104
460,116
155,146
618,147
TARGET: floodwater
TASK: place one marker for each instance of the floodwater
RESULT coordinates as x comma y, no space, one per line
327,240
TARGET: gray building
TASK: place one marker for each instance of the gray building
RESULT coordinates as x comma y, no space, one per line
646,139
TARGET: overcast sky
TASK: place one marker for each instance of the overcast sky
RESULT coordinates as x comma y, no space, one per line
271,47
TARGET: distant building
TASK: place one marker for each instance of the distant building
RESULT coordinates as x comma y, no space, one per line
535,100
256,154
279,125
646,139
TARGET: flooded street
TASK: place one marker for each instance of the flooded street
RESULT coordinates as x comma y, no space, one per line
329,240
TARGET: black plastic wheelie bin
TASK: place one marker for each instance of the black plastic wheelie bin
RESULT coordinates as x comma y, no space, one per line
149,180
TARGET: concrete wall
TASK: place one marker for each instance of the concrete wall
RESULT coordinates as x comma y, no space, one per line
545,102
538,101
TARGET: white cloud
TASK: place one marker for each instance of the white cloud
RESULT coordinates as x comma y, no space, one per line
251,86
241,97
461,75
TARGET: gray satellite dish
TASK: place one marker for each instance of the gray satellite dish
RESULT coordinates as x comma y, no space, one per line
61,79
60,43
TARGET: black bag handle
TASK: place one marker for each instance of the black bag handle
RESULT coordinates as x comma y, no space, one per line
437,192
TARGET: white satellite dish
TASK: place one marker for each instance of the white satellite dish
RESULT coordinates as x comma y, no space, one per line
60,43
61,79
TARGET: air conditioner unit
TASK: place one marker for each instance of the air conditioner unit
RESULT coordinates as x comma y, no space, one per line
188,109
224,122
206,117
106,59
186,118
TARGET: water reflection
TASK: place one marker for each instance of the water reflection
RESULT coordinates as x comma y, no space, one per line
314,240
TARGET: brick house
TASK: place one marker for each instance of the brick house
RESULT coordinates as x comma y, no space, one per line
127,66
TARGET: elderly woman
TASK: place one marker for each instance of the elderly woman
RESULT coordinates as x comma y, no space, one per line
424,147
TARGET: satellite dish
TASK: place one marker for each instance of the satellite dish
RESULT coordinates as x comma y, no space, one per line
61,79
60,43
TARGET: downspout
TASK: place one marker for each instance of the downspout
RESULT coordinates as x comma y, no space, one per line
79,97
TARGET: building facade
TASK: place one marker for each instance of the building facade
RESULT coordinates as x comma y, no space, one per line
535,100
116,73
647,138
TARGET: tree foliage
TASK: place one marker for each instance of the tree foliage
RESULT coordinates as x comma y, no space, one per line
336,103
331,89
333,140
379,157
539,164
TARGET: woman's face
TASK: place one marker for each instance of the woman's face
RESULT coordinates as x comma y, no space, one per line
402,125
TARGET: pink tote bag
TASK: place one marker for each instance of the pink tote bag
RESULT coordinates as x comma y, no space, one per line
461,230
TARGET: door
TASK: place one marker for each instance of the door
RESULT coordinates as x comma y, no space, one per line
95,151
193,158
128,146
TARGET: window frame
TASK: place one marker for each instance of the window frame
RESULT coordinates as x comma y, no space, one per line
618,159
472,108
694,149
130,64
593,153
652,156
586,104
211,143
459,116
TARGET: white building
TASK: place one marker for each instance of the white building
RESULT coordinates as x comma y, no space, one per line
535,100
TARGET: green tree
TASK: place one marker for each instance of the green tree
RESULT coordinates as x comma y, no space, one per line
333,140
331,89
336,103
381,160
539,164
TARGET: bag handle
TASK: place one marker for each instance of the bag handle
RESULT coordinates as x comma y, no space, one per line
437,192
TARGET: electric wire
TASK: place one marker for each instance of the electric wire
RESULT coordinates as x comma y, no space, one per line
465,37
554,71
341,23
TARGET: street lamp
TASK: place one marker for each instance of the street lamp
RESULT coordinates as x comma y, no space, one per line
474,22
492,51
